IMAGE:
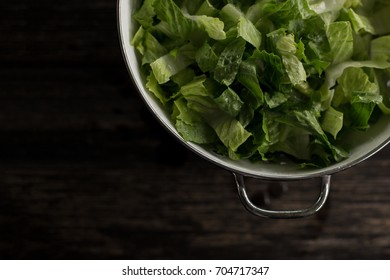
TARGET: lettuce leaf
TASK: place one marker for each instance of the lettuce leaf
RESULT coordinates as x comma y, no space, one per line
230,132
168,65
214,27
340,38
332,121
229,62
360,23
247,76
229,102
168,12
206,58
144,15
233,16
191,125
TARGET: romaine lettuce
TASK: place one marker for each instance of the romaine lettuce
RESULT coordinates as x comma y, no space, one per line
257,79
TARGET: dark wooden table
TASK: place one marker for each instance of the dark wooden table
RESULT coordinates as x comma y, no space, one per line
87,172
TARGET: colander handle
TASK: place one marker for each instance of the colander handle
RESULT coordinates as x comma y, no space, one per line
282,214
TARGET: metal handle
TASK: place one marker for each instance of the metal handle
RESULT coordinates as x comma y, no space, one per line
282,214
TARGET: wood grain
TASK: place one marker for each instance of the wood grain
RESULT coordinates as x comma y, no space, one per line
88,173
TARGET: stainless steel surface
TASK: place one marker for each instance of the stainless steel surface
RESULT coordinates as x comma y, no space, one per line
282,214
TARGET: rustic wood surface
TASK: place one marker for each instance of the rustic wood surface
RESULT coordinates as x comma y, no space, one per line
87,173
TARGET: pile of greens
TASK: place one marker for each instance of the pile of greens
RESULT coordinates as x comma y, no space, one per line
268,78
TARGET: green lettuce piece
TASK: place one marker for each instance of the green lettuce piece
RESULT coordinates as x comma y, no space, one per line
304,8
195,87
144,15
214,27
229,62
340,38
286,45
153,49
191,6
360,23
153,86
230,131
248,109
354,85
359,114
294,68
182,25
249,32
353,3
138,39
307,120
183,77
168,12
148,46
255,12
230,15
380,49
383,79
252,95
207,9
229,102
170,64
247,76
162,29
276,99
280,11
334,72
279,136
362,95
191,125
319,65
294,141
332,121
326,6
270,136
270,68
200,99
206,58
233,16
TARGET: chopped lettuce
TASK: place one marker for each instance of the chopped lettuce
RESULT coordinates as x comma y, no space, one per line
229,62
340,38
259,79
168,65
